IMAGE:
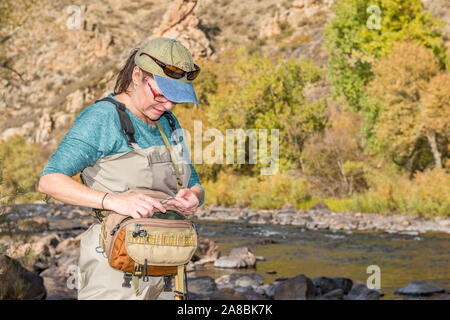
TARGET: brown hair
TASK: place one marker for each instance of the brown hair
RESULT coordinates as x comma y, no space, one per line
125,76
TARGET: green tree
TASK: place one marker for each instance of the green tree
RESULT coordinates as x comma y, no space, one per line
353,47
255,92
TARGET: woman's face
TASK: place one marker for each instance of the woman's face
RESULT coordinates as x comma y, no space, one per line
144,99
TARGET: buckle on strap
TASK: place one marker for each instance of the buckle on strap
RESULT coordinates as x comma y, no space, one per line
97,213
168,283
127,280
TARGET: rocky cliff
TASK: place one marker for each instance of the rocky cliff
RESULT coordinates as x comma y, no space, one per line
60,58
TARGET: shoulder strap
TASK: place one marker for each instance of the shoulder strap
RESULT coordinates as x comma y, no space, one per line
125,121
172,155
172,124
170,119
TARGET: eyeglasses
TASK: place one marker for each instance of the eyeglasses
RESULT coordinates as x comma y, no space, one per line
156,96
175,72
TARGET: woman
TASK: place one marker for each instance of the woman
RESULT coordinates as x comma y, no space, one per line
154,79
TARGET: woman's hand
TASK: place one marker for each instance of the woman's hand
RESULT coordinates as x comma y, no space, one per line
185,201
134,205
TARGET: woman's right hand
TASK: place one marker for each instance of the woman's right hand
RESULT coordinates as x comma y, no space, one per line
134,205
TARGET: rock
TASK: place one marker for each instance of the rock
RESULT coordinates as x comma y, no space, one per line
253,295
18,283
288,207
284,218
443,222
34,224
360,291
205,285
297,288
299,221
406,223
228,294
243,280
180,23
195,296
271,27
52,240
324,285
10,132
68,244
336,294
207,250
46,126
74,102
266,241
262,217
231,263
320,206
269,290
246,280
56,283
279,279
40,264
419,288
190,267
19,249
240,257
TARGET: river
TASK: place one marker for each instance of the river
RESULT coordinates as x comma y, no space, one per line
401,258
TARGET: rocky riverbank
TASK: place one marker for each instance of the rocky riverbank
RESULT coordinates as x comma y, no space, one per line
320,217
39,245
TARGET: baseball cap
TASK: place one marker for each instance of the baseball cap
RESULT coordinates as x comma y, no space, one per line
171,52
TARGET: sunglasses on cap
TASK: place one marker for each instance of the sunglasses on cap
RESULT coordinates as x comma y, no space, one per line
175,72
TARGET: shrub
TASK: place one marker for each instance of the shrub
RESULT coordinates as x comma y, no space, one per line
20,166
426,195
265,192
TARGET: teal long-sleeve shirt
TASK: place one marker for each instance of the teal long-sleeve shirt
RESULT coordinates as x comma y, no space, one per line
96,133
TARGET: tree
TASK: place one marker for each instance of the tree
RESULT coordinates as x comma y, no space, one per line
413,95
354,47
334,160
257,93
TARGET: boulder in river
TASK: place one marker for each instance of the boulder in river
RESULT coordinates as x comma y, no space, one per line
244,280
203,286
419,288
17,282
324,285
297,288
228,294
240,257
361,292
207,251
336,294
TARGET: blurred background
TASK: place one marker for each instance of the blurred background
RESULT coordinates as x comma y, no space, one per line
359,91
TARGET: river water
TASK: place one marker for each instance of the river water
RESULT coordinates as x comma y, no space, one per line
401,258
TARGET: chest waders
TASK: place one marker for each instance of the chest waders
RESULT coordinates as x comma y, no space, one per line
155,168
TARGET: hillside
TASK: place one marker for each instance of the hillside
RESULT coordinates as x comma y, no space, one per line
51,69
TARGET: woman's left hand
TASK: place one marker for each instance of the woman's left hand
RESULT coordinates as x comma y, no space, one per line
185,201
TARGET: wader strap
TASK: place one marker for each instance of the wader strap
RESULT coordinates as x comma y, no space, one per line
96,213
125,121
172,124
179,284
172,155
